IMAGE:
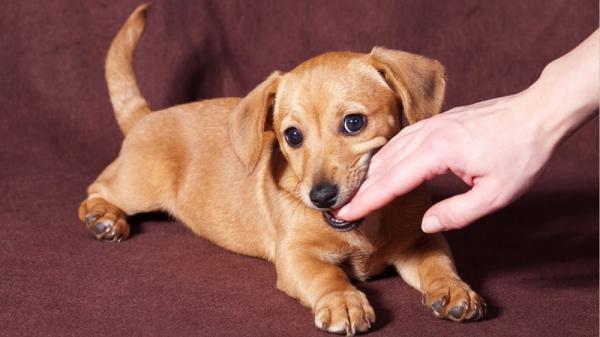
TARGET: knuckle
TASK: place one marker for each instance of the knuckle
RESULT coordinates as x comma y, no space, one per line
437,143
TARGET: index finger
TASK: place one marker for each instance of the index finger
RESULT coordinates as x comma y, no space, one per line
399,179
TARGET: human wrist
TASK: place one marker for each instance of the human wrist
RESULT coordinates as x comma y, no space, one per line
559,102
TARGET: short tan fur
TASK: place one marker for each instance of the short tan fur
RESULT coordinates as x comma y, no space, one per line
224,168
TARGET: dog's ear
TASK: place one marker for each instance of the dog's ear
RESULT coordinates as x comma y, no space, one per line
419,82
248,119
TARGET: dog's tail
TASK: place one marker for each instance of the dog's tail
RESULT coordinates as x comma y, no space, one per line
125,96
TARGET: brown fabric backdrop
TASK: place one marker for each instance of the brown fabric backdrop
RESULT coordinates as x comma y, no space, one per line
535,262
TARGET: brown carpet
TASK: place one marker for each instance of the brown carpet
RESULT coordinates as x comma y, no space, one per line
535,262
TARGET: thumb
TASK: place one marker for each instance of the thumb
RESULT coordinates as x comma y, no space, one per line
461,210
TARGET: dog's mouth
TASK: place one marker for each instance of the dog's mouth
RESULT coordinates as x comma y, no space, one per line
339,224
367,149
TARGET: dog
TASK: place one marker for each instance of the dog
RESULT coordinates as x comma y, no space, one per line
263,175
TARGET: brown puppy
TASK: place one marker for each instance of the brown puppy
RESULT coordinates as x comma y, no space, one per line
259,176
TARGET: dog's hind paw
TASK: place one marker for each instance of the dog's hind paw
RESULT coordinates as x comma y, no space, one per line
344,312
103,220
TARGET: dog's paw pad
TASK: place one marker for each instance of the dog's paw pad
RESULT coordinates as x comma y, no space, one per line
344,312
438,305
108,229
100,228
454,300
457,312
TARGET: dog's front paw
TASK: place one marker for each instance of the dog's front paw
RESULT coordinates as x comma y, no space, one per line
344,312
103,220
453,299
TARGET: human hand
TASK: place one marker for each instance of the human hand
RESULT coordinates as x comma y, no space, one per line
489,145
498,147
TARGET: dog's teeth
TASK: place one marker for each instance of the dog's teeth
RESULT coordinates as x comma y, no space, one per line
336,220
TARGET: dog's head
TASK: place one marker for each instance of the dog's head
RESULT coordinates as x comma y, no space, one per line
331,113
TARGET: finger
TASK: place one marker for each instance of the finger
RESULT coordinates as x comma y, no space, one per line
398,147
404,150
412,127
389,149
461,210
383,165
405,132
397,180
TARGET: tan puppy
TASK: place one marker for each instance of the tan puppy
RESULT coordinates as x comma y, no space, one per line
259,176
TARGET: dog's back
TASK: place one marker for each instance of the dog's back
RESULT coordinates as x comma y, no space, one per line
169,158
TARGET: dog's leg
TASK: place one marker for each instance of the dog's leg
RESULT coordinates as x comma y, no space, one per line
429,268
118,191
324,287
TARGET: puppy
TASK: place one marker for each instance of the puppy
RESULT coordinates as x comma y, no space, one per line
260,176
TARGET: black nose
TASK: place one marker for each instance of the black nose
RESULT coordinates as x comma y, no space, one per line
324,195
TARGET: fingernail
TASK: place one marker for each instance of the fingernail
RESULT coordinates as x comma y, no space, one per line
344,211
431,224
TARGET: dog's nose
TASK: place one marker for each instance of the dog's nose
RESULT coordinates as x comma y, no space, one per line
324,195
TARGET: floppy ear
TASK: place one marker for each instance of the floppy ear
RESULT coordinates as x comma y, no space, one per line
419,82
247,121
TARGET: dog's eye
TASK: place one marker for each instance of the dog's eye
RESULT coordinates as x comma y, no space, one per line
353,123
293,137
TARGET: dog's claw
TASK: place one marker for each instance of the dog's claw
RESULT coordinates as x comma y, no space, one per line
110,235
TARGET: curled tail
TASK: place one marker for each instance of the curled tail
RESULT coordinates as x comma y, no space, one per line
125,96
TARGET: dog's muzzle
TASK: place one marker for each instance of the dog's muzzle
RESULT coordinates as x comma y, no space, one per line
367,148
340,225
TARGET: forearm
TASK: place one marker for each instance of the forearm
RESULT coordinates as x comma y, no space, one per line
567,91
